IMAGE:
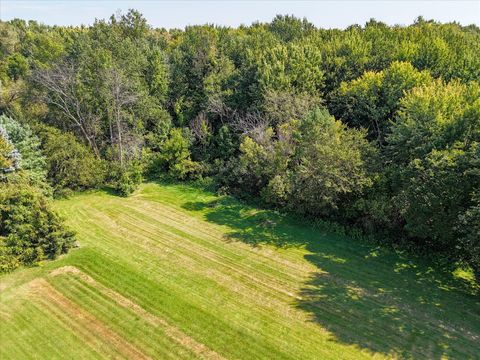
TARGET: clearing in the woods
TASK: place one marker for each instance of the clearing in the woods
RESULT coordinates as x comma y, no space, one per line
177,272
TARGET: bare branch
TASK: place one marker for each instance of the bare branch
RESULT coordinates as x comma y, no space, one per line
201,128
61,85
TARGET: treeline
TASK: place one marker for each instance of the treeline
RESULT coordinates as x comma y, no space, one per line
374,126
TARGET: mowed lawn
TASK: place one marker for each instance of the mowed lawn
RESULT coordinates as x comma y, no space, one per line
176,272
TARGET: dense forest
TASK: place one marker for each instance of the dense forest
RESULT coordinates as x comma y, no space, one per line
374,127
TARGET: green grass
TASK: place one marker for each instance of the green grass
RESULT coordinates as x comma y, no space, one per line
176,272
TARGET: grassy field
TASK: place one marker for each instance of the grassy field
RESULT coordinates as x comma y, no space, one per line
176,272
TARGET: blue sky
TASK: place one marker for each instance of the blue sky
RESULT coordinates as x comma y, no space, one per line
178,14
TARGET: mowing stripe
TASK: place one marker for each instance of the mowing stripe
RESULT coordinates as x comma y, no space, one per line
173,332
45,292
199,269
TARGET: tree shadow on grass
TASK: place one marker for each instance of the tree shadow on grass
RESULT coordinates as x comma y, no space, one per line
364,294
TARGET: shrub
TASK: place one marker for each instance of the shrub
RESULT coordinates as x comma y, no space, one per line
30,231
71,164
129,178
175,158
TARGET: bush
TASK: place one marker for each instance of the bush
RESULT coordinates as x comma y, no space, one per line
128,178
71,165
277,191
30,231
175,158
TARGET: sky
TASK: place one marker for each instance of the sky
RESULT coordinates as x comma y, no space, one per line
178,14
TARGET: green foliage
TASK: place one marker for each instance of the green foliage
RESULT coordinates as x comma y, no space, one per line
331,161
174,155
345,56
30,230
284,107
434,191
17,66
436,116
10,39
128,178
6,152
43,47
159,125
434,149
225,143
255,164
289,28
234,103
32,160
308,166
157,75
468,229
294,67
70,164
371,100
199,71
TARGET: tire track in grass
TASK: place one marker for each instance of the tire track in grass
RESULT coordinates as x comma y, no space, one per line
94,328
26,325
211,236
15,341
173,332
244,284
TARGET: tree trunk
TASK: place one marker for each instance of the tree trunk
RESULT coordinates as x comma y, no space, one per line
119,129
